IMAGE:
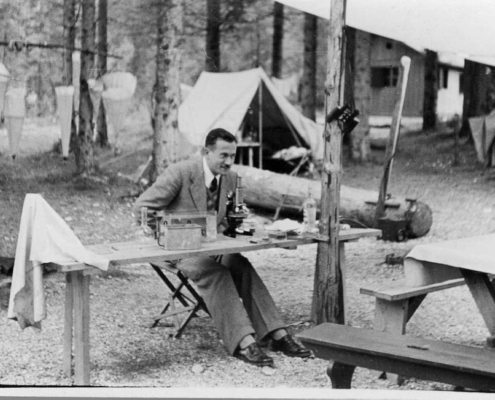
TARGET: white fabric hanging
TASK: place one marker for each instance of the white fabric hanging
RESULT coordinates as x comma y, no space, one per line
44,237
117,102
65,98
4,83
14,112
95,90
124,80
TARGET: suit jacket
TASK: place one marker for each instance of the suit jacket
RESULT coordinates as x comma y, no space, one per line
182,188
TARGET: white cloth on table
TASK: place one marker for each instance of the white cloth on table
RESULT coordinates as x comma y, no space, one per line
476,253
44,237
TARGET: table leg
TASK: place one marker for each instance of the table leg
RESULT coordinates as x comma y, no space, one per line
68,323
483,292
81,328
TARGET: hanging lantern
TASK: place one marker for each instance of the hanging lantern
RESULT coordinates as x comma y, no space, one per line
65,98
4,82
15,111
117,102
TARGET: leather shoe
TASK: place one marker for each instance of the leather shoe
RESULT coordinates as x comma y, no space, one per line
290,347
254,355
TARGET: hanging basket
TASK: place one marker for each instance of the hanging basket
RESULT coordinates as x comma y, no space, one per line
65,98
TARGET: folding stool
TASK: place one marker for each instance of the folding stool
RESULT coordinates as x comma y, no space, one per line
187,305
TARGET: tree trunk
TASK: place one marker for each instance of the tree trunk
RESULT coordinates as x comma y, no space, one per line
308,84
475,93
101,122
212,62
269,190
360,145
278,39
85,160
430,91
69,43
328,292
167,93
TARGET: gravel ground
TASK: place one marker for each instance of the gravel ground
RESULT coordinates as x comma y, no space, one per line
125,352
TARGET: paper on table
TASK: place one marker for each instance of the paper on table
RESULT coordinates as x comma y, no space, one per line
284,225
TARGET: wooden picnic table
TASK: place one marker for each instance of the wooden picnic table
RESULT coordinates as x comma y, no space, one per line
471,258
77,299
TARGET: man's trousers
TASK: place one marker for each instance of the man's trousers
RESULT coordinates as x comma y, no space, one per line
223,281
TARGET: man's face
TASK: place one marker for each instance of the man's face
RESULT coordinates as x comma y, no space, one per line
220,157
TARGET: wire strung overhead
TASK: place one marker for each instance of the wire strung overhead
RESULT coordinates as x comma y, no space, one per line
19,45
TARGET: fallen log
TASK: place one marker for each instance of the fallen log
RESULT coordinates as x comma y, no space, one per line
270,190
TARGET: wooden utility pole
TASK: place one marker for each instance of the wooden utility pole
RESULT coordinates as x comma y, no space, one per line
328,293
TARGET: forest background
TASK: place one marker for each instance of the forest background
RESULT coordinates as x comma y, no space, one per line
246,42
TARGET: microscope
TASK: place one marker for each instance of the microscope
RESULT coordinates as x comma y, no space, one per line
237,212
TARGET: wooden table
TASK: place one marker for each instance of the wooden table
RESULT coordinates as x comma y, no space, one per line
472,258
77,300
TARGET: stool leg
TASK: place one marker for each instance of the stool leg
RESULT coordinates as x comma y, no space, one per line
340,375
190,315
197,297
170,304
168,283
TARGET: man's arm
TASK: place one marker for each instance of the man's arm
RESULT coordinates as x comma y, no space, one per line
159,195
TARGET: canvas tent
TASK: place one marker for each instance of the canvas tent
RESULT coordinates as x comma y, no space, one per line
232,101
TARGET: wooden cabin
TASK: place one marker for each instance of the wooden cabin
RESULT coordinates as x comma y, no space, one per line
385,60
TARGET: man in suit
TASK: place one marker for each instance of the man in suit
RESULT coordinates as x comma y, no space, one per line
201,185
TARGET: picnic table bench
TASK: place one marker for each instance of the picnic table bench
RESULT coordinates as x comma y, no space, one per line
396,302
349,347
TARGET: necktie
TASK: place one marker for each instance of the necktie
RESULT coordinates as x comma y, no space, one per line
214,185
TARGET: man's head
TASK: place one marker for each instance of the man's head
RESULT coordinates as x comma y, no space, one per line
219,151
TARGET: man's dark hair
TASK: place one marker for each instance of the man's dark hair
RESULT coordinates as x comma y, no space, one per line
219,133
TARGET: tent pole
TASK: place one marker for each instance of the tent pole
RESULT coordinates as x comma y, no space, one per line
260,124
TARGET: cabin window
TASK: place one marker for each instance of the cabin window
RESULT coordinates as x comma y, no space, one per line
384,77
443,77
